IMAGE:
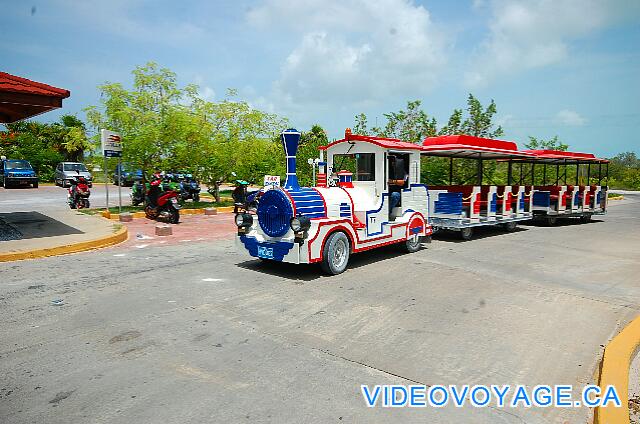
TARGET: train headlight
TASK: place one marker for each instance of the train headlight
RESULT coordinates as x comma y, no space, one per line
244,220
300,223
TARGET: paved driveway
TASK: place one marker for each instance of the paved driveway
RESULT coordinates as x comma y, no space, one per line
193,332
46,198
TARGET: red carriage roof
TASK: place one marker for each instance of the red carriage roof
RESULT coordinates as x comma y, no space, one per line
562,156
467,146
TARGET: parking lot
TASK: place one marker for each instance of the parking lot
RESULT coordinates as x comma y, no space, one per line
195,332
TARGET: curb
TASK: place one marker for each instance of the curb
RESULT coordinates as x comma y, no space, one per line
615,372
119,236
198,211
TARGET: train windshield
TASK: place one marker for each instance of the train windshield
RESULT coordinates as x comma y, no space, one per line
362,165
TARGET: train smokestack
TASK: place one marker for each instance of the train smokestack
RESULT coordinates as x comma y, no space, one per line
290,141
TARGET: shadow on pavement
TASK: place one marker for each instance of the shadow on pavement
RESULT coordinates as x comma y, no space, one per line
479,232
36,225
561,222
310,272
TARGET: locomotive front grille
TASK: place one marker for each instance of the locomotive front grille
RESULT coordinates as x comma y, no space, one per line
274,213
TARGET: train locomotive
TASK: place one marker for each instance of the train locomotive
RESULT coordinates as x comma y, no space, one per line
351,213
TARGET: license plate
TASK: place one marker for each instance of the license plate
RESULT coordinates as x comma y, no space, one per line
265,252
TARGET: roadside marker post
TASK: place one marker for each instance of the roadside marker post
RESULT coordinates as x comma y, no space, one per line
112,148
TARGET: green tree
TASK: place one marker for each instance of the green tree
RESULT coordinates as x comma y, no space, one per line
412,124
152,118
44,145
74,138
624,171
360,126
478,123
239,139
310,142
550,144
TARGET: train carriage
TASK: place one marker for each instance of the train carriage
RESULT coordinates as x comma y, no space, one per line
561,195
372,197
462,207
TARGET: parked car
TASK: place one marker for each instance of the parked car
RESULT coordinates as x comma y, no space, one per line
17,172
128,175
68,171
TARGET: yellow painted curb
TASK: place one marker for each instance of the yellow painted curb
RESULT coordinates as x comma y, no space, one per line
615,372
119,236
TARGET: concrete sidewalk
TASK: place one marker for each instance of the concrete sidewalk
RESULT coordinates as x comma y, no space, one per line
33,230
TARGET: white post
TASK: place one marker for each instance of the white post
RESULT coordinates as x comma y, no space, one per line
119,185
313,165
106,181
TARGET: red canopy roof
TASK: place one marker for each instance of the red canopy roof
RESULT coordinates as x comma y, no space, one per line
387,143
21,98
467,146
562,156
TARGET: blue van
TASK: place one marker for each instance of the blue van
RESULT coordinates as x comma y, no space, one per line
17,172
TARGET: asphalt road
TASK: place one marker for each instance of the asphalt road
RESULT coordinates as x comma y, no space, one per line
47,197
196,333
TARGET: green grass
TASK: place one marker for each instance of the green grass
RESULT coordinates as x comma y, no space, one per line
613,195
223,193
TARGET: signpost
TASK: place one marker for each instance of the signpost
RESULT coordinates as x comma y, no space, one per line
315,163
271,181
112,148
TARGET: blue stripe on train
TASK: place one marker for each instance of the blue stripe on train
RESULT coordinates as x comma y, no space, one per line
450,203
493,205
308,203
542,198
345,210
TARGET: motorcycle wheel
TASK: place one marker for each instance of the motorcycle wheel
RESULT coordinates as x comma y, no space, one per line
148,211
86,203
196,197
174,216
72,205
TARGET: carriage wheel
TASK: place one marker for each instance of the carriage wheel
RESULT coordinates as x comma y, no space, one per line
335,255
466,233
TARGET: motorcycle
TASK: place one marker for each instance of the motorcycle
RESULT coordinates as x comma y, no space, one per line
138,192
190,188
243,199
161,204
170,183
79,193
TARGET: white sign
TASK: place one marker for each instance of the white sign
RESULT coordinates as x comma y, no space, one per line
271,181
111,144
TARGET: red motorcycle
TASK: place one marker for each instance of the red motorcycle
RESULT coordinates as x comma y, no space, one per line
161,204
79,193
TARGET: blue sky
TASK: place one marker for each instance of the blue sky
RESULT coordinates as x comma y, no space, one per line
566,67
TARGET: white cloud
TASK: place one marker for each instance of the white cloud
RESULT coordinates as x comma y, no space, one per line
353,51
207,93
536,33
570,118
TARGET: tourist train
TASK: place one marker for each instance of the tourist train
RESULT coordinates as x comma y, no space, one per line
369,194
